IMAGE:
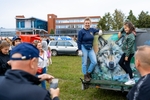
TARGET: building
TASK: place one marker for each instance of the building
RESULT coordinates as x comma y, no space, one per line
31,25
7,32
59,26
68,25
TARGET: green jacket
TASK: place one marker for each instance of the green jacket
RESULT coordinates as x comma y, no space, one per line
128,44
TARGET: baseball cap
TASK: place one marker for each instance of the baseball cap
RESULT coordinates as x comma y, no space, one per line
27,50
15,38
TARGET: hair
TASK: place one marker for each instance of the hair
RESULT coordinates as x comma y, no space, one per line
87,19
4,44
49,48
131,27
35,42
142,52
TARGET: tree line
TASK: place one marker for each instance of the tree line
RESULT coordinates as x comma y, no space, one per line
115,21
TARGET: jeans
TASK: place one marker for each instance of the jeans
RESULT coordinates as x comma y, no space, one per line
126,64
93,61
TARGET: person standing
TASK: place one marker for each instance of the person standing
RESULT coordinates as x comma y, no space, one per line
128,49
43,60
141,90
21,83
85,48
4,57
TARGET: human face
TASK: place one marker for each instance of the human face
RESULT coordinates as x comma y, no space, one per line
5,50
87,24
18,41
126,28
39,46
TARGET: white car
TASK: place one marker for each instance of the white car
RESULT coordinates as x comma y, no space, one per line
68,47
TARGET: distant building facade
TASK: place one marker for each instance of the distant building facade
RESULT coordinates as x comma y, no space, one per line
31,25
6,32
58,26
68,25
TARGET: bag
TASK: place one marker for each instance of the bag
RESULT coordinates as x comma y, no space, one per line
88,46
39,71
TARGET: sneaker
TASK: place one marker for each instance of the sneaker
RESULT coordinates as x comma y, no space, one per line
130,82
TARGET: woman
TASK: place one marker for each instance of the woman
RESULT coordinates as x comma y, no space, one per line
85,48
15,41
4,57
42,63
128,49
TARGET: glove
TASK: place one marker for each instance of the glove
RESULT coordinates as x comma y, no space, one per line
100,33
80,53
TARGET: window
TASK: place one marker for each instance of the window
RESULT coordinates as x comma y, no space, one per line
60,43
69,44
53,43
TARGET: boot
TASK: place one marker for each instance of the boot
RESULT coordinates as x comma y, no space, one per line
86,78
89,75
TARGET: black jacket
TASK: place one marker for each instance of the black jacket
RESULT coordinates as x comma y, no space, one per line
20,85
3,63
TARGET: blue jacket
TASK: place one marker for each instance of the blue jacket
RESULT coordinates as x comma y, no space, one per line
20,85
86,36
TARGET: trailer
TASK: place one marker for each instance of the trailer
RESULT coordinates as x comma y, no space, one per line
107,73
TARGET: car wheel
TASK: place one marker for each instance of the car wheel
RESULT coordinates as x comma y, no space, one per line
54,53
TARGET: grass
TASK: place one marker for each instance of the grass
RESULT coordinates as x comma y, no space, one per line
68,70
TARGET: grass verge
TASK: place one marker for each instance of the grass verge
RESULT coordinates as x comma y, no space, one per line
68,70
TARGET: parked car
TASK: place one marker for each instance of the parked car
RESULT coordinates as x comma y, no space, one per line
63,47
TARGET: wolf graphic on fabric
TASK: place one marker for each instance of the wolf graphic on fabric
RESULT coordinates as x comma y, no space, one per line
108,57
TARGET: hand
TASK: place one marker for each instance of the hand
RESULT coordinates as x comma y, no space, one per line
119,34
46,77
126,58
80,53
54,92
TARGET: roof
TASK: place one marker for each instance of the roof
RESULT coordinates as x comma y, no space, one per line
31,18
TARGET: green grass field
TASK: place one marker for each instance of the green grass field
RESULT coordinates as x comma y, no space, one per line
68,70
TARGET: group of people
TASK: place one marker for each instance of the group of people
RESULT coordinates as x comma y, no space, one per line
19,79
140,90
19,63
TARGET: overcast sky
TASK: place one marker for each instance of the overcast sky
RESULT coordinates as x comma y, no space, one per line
66,8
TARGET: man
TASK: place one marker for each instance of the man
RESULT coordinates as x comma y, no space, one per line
141,90
21,83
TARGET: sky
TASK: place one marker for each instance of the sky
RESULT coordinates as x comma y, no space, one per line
66,8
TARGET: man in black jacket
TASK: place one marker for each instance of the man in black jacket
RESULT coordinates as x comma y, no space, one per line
141,90
20,83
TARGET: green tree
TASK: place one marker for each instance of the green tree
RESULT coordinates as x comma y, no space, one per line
118,19
52,31
132,18
105,22
143,20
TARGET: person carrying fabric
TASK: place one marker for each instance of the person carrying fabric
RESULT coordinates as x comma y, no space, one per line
85,48
128,49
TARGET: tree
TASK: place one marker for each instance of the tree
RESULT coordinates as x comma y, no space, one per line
105,23
118,19
132,18
52,31
143,20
